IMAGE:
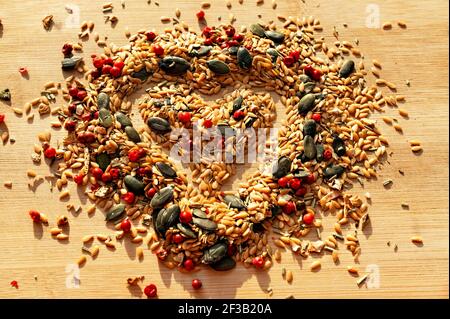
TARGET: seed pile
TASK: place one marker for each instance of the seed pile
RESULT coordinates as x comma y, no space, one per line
327,142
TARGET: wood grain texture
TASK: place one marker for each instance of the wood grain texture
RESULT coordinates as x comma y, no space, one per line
418,54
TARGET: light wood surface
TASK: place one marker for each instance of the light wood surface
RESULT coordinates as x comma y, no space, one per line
418,54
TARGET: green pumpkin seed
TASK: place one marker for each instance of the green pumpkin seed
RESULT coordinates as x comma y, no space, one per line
132,134
309,128
306,103
171,216
103,101
301,174
70,63
159,125
226,263
103,160
186,231
218,66
141,74
104,118
204,224
339,146
214,253
347,68
134,185
336,170
174,65
310,147
166,170
282,167
273,53
275,36
234,202
5,95
237,104
199,213
320,149
123,119
244,59
258,30
233,50
162,197
200,51
115,212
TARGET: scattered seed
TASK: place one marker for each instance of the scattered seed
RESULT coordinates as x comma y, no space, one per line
387,26
315,266
289,276
417,240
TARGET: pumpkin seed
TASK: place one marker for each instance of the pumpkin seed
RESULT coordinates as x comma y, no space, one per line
218,66
320,149
310,147
347,68
199,213
334,170
103,101
159,125
70,63
105,118
162,197
233,50
226,263
174,65
339,146
301,174
309,128
141,75
234,202
166,170
185,230
103,160
5,95
132,134
306,103
282,167
115,212
166,218
214,253
237,104
134,185
275,36
258,30
205,224
244,59
273,53
200,51
123,119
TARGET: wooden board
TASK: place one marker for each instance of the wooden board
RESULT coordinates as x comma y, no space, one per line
417,54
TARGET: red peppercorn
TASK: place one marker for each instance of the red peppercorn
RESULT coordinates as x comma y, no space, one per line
177,239
50,153
106,69
14,284
161,253
196,284
237,115
316,117
288,61
308,69
73,91
119,65
78,179
109,61
72,108
106,177
151,192
258,262
134,155
289,208
295,183
115,72
151,291
231,250
316,75
97,172
86,117
308,218
115,172
67,49
2,118
35,216
208,41
206,32
129,197
150,35
184,117
188,264
238,37
70,125
81,95
158,50
311,178
301,191
96,115
125,225
283,182
207,123
200,15
185,217
98,62
219,39
23,71
327,154
295,55
230,31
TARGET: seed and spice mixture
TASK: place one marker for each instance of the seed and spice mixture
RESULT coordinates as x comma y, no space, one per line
327,142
